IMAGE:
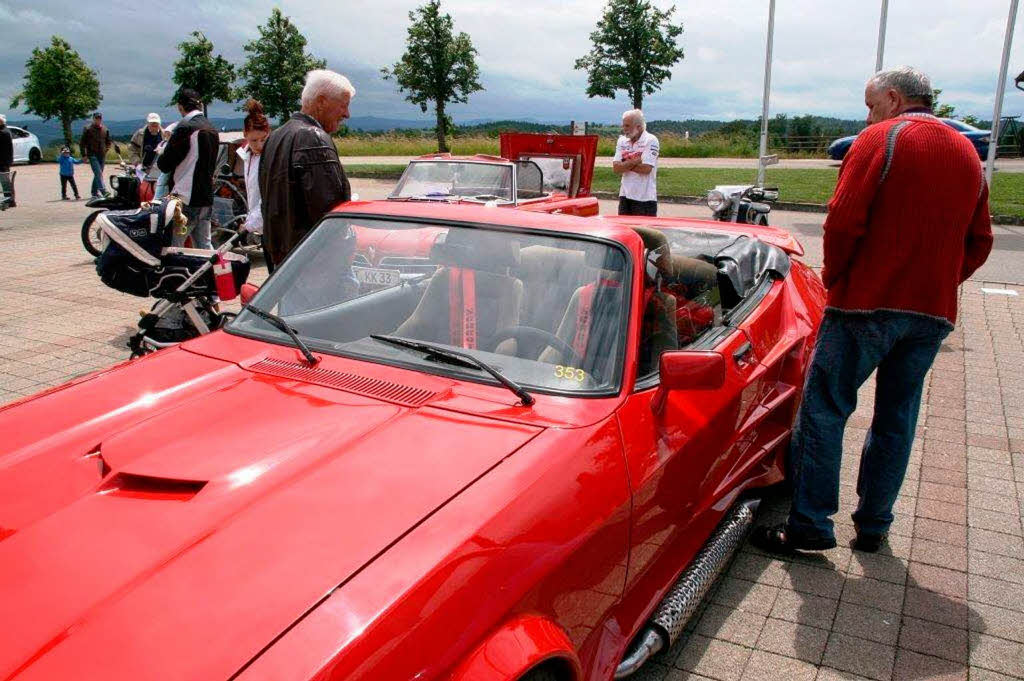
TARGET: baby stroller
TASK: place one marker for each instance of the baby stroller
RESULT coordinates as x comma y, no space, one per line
138,258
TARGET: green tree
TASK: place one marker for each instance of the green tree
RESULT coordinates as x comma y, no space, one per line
276,68
634,48
942,110
197,68
58,84
438,66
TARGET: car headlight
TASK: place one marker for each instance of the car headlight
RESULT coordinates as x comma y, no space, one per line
716,200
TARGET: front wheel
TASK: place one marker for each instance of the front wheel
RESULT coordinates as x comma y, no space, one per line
92,236
35,156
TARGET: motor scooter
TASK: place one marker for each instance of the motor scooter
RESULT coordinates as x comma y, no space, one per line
745,203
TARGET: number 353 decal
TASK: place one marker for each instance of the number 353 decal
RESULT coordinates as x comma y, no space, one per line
571,373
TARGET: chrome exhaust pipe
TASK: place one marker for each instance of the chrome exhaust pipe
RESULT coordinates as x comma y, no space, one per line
686,594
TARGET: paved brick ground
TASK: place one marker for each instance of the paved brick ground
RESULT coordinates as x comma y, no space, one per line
944,601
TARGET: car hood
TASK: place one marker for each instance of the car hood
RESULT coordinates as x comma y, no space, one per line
183,541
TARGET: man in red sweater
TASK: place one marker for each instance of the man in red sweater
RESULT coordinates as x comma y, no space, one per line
908,223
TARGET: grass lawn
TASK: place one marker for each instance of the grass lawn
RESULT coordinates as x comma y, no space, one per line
796,185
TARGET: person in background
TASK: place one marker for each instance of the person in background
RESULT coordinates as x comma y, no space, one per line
163,180
6,160
190,157
893,268
145,141
256,130
301,177
95,144
67,164
636,160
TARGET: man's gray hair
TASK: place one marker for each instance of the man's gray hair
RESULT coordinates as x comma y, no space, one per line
327,83
906,80
635,115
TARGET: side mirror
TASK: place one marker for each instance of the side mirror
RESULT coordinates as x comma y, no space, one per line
690,370
247,292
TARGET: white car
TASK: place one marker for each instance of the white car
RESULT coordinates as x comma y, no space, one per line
26,145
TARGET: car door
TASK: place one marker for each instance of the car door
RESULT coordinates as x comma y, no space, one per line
680,448
20,139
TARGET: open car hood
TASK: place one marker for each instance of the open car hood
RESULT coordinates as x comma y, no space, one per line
184,537
516,144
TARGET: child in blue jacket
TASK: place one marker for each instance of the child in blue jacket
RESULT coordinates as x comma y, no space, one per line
67,173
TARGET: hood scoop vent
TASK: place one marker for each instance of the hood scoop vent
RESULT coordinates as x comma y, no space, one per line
151,487
361,385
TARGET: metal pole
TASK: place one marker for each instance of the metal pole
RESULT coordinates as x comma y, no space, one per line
1000,87
881,35
767,92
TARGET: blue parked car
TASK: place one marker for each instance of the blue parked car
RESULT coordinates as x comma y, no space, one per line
979,138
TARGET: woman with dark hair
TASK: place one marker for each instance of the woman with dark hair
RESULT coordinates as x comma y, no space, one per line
256,130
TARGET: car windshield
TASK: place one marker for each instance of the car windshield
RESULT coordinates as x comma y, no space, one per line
541,176
455,180
548,312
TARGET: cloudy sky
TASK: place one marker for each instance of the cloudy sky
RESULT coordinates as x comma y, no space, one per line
824,50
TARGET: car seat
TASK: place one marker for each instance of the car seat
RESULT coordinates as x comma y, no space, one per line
694,285
549,276
471,296
595,339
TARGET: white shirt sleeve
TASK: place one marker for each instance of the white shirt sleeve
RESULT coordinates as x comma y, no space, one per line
619,145
650,153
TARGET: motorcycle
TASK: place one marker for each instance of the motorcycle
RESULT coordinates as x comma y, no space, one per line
129,194
749,204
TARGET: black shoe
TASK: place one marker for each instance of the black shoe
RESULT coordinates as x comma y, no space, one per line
775,540
869,543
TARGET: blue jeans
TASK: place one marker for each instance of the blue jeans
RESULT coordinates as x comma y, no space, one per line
902,346
97,164
198,226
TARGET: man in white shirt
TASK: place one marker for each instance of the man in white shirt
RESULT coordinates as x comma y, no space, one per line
636,160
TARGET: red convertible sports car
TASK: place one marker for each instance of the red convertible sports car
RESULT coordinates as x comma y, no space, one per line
528,461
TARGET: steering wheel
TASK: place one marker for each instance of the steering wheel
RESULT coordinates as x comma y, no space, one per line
530,334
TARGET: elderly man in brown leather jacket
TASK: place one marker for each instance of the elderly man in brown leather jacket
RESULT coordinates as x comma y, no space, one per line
301,177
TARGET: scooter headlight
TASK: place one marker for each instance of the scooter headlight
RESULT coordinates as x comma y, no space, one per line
114,182
716,200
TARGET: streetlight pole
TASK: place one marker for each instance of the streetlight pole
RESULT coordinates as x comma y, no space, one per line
1000,87
881,35
767,90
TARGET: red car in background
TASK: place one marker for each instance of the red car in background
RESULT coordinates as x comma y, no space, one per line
529,461
535,172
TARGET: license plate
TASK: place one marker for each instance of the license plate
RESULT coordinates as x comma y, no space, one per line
372,276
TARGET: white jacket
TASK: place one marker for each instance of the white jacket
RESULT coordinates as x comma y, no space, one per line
251,163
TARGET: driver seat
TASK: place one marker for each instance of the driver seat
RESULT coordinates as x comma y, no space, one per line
471,296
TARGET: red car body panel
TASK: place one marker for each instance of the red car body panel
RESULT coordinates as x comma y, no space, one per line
323,533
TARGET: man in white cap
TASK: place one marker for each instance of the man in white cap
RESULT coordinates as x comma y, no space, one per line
145,141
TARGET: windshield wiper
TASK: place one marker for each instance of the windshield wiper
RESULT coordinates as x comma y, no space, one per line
457,358
282,325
